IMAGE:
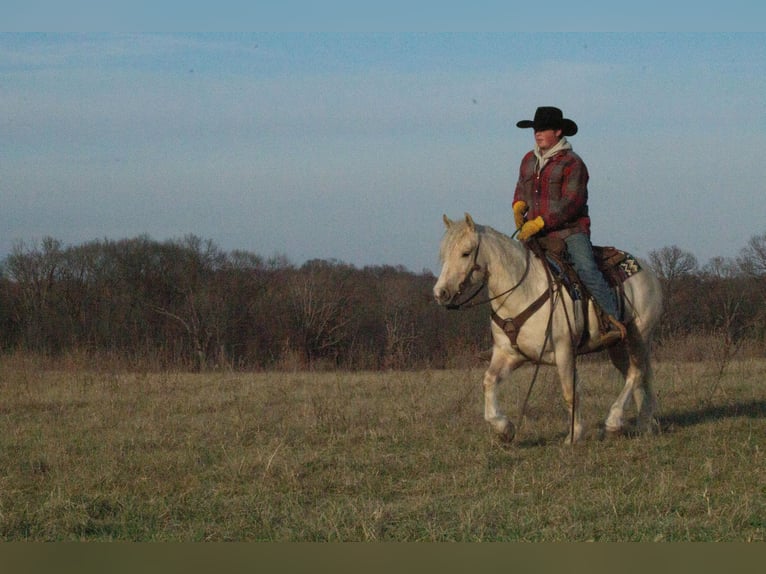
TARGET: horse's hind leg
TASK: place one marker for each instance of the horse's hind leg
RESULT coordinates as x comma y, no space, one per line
499,367
632,360
643,394
619,357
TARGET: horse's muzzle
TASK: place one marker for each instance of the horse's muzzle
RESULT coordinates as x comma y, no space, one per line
442,295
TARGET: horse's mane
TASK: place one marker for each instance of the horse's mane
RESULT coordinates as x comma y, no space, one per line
505,248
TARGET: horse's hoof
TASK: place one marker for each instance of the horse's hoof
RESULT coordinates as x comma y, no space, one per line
568,441
507,435
650,428
608,433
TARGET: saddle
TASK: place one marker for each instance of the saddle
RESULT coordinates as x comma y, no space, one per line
616,266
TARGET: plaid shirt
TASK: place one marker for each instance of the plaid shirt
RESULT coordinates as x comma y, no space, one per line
559,193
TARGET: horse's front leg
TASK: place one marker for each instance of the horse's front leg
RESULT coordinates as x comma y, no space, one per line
499,367
571,392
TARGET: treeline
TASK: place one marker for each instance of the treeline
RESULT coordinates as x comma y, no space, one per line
724,298
188,304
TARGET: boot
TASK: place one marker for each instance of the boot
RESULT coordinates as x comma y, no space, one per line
616,333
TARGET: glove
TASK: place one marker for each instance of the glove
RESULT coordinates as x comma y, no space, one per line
519,209
530,228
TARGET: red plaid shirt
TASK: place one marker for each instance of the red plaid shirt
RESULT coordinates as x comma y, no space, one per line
559,193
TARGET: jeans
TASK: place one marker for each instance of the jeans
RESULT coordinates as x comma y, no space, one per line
581,256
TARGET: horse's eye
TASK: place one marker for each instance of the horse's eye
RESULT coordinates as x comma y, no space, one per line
466,253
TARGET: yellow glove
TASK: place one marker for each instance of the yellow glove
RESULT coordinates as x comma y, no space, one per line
519,209
530,228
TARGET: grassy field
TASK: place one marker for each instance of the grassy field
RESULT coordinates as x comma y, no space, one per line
97,454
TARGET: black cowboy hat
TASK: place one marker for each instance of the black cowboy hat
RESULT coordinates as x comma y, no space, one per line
550,118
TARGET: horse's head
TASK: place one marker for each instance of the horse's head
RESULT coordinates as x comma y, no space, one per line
459,256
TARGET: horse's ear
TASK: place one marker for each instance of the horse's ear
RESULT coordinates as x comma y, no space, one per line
469,221
447,221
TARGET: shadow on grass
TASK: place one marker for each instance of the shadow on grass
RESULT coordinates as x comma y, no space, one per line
676,419
533,443
752,409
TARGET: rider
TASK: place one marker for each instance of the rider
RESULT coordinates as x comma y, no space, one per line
551,199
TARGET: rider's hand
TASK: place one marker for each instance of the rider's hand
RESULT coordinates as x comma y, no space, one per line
519,209
530,228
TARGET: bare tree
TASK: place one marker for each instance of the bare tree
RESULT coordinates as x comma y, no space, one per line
753,256
193,267
752,261
675,267
728,308
321,302
36,270
671,264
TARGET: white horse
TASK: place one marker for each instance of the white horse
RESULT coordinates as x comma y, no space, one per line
549,329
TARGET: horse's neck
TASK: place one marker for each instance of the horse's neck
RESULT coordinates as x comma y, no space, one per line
512,267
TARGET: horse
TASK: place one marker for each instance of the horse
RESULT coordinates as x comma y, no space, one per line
549,329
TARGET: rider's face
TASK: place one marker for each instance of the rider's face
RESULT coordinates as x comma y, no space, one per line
546,139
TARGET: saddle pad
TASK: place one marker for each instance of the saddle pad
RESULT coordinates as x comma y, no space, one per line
616,265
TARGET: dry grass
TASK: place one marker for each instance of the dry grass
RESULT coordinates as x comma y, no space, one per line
89,454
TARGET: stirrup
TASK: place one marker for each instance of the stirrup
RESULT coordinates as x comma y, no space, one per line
615,333
618,328
611,337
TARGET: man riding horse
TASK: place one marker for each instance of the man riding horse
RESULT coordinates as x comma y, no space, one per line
551,200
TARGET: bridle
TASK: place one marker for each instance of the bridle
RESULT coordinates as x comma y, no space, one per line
511,326
467,280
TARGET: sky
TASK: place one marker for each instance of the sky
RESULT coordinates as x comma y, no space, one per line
351,145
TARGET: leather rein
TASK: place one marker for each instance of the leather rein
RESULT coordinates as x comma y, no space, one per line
512,325
466,281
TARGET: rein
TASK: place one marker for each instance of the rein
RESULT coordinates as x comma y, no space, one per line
465,282
477,267
511,326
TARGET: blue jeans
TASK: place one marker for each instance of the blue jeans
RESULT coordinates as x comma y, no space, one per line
581,255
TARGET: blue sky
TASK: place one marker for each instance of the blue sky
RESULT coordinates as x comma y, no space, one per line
351,146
